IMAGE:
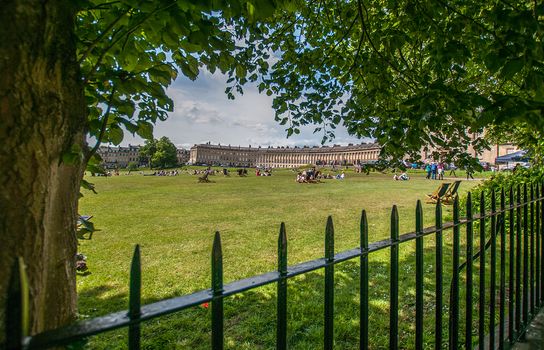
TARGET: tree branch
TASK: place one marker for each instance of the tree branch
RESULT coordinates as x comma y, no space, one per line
102,6
105,118
454,10
365,31
127,33
340,41
101,36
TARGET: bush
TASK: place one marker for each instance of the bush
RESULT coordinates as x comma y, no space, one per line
519,177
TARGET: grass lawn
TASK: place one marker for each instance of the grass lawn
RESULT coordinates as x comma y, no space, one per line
174,219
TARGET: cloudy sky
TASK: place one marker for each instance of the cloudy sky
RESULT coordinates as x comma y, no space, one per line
203,114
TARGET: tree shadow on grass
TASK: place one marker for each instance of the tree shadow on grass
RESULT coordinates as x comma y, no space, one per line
250,317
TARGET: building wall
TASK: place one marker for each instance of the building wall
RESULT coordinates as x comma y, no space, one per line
283,157
487,156
120,157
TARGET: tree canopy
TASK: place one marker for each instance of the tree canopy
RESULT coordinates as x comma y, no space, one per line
130,51
407,73
161,153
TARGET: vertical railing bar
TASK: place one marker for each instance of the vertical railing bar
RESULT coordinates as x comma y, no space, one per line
511,266
217,291
281,327
454,293
17,315
541,235
537,246
394,283
525,292
469,278
329,286
481,291
134,310
502,282
363,288
493,272
438,277
518,261
532,252
419,276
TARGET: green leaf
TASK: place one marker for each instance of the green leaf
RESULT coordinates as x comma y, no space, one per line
511,68
145,130
115,134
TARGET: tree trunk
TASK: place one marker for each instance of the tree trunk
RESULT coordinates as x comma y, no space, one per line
43,117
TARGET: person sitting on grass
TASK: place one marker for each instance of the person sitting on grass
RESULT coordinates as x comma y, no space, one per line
404,177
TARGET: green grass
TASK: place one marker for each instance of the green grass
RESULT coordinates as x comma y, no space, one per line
174,219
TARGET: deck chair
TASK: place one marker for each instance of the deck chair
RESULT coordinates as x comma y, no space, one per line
451,193
438,193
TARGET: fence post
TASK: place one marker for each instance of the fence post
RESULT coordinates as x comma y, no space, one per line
532,252
493,268
541,234
454,293
438,277
217,291
394,282
134,311
518,261
481,290
329,285
17,306
419,276
502,282
537,246
281,330
525,258
363,287
511,266
470,249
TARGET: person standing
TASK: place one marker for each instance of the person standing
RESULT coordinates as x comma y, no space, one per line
433,171
452,170
428,170
440,169
470,172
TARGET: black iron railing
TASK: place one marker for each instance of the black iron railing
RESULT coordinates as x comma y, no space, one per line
517,221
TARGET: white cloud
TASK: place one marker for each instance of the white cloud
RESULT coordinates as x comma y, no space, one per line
202,113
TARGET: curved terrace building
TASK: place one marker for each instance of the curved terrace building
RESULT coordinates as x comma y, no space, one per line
283,157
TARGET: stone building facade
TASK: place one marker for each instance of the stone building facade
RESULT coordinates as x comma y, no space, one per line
120,157
283,157
486,156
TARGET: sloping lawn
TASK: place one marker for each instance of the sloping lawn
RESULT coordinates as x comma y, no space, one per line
174,219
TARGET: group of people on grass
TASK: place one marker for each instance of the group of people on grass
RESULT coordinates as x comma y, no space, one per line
263,172
313,175
435,170
166,173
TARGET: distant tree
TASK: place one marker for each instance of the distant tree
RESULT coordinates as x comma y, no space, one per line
148,150
166,154
132,166
160,153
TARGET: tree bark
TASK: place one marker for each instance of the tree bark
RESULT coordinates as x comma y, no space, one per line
42,117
